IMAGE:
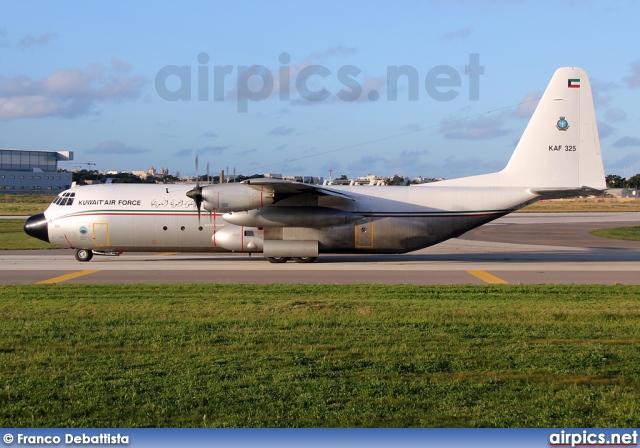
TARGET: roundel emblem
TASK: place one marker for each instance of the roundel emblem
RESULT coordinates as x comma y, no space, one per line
83,230
562,124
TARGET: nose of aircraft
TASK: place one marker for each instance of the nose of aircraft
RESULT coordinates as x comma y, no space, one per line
37,227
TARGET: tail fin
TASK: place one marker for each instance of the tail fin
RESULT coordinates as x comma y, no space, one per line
560,148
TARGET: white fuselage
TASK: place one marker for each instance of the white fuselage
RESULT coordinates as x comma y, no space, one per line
125,217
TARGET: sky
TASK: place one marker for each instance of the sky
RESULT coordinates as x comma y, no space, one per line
433,88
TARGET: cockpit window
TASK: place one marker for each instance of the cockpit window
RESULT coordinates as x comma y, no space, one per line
65,198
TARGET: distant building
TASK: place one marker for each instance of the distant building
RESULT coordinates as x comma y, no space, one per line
305,179
623,192
142,174
426,180
25,170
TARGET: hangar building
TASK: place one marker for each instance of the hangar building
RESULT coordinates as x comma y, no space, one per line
29,171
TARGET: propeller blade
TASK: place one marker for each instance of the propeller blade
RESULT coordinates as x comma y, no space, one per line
196,192
197,174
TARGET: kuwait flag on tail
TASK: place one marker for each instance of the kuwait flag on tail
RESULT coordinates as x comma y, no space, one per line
574,83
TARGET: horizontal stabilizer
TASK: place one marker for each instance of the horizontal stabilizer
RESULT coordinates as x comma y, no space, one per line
560,193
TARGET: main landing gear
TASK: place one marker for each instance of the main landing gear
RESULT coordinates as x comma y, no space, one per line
296,259
87,254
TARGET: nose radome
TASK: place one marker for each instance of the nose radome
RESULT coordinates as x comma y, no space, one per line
37,227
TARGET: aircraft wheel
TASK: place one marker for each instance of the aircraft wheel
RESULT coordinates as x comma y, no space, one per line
304,259
278,259
83,254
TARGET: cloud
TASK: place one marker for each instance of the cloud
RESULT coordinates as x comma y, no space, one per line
211,150
281,130
120,66
412,127
626,141
458,34
184,152
615,115
407,160
209,135
116,147
367,163
627,161
3,41
454,167
29,41
67,93
605,130
246,152
599,89
633,81
189,152
480,128
527,105
414,153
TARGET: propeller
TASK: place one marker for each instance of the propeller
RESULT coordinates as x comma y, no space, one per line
196,193
209,179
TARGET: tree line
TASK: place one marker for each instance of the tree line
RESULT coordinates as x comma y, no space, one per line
615,181
93,176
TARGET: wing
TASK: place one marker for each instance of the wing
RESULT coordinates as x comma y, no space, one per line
285,188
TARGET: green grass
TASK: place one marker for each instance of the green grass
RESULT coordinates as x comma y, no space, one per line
24,204
12,237
319,356
620,233
583,205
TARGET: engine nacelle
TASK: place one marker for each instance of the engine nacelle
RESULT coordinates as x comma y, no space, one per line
239,239
234,197
287,216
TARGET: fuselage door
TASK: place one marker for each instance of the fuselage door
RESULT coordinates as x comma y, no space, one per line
364,232
100,234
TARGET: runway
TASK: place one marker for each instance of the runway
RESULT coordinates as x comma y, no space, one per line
522,248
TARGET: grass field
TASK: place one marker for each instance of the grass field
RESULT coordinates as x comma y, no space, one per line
319,356
12,237
620,233
583,205
23,204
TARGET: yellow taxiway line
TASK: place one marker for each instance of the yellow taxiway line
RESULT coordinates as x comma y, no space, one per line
64,278
487,278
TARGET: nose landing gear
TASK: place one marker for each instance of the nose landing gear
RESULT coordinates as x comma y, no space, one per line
84,254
